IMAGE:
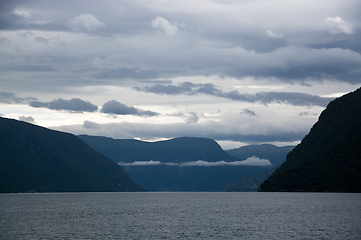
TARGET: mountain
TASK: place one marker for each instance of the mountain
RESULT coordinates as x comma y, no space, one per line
176,150
188,178
329,157
36,159
163,167
276,155
248,184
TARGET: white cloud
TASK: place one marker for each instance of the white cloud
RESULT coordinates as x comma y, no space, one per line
91,125
85,22
27,119
22,13
252,161
165,26
192,117
337,25
273,35
141,163
255,161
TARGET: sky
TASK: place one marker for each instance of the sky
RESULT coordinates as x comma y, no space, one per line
239,72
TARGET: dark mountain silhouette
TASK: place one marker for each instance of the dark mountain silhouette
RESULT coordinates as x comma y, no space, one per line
163,177
248,184
329,157
188,178
36,159
176,150
276,155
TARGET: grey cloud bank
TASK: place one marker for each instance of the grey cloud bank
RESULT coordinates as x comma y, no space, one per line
189,45
74,104
115,107
91,125
249,71
236,127
10,97
293,98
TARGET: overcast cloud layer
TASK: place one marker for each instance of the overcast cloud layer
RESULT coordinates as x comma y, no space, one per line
235,71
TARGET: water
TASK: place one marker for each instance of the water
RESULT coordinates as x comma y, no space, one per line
180,216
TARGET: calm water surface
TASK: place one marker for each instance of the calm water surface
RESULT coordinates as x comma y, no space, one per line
180,216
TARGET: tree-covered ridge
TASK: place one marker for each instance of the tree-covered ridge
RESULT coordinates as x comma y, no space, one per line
329,157
36,159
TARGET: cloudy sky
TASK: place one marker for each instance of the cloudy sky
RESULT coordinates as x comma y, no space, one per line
239,72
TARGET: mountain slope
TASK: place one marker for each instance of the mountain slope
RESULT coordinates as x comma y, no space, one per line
37,159
166,172
276,155
176,150
329,157
249,183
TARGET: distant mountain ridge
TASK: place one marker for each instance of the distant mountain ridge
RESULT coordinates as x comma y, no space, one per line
329,157
276,155
36,159
176,150
158,176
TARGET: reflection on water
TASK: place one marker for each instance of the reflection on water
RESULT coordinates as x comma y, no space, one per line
180,216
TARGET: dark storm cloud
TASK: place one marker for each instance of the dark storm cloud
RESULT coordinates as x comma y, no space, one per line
293,98
9,97
72,105
115,107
